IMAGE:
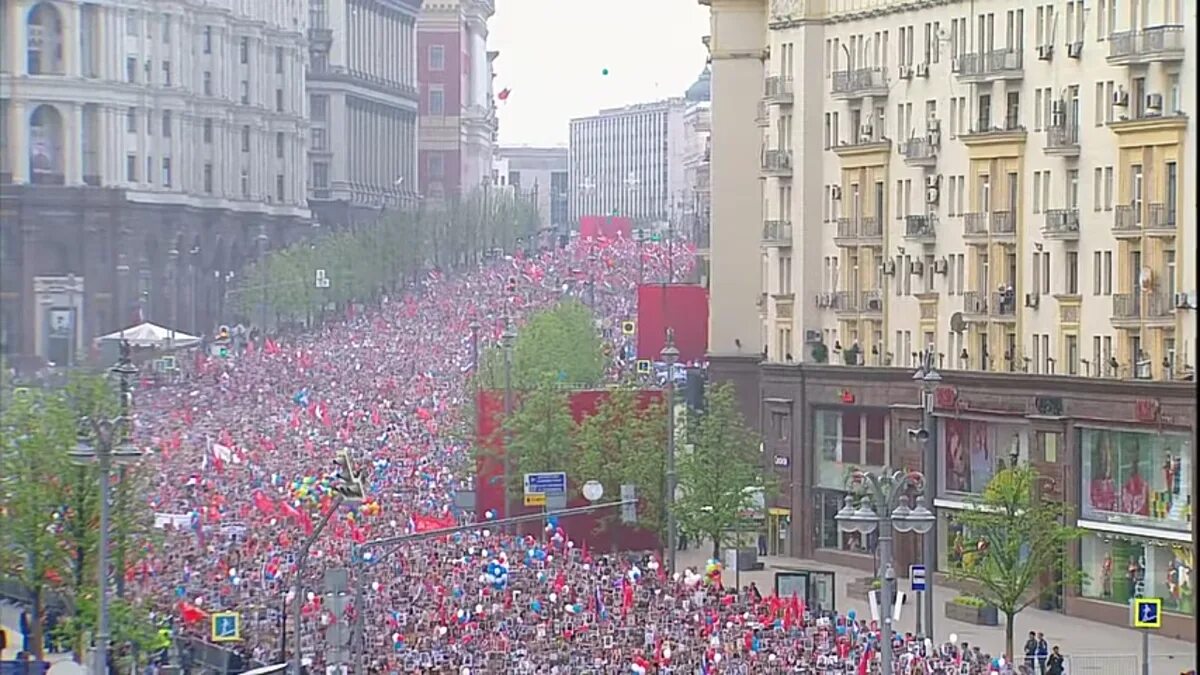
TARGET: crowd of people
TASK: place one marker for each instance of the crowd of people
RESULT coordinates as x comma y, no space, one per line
244,461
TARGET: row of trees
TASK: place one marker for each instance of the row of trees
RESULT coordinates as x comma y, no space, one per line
50,512
719,467
367,260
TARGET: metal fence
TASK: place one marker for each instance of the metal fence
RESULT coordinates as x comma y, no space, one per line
1129,664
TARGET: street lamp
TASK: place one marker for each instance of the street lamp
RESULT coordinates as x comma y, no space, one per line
670,355
507,339
111,448
929,378
884,507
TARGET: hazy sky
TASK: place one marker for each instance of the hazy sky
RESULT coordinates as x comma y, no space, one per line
553,54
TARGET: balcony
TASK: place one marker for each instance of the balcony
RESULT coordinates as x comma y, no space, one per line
1157,43
762,118
871,302
1003,224
845,302
975,305
777,90
1061,224
1003,306
858,230
918,152
1127,221
863,145
777,233
998,64
984,133
921,229
975,226
1160,220
1130,310
851,84
777,163
1062,140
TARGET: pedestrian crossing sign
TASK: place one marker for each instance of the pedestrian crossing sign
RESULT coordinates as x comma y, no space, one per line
1147,612
643,367
226,627
628,327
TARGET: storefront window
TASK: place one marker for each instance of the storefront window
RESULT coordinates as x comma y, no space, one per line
973,451
958,548
1121,568
828,535
846,442
1137,478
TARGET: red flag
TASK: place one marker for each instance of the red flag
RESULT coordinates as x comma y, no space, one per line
191,613
503,95
866,659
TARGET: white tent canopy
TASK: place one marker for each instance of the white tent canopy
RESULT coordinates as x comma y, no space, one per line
151,335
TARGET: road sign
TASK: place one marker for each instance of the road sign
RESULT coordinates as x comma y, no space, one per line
535,499
916,574
628,327
226,626
1147,612
644,366
628,511
546,483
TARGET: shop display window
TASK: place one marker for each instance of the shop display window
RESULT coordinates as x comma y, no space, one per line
1120,568
958,547
828,536
847,441
1136,478
974,451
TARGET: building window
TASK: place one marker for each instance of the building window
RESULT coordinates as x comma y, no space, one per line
279,100
245,92
279,144
1120,567
279,60
437,57
245,183
208,88
437,166
244,50
149,169
166,124
166,171
131,68
208,39
246,138
279,187
131,165
166,72
132,23
318,107
208,178
1136,478
1072,273
318,138
208,130
437,101
131,120
846,441
166,29
320,175
974,451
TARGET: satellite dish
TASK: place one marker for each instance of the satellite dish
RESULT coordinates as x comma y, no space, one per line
956,322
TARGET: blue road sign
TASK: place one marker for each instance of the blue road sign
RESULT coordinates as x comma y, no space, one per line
226,627
916,574
554,483
1147,612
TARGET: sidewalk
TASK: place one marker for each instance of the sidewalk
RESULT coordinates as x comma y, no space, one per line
1074,636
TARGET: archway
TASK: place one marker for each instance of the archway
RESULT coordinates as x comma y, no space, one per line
46,146
44,40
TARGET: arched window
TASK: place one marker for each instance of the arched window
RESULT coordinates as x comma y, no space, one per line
46,146
44,44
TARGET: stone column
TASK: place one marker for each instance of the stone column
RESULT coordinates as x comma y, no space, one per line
72,130
18,139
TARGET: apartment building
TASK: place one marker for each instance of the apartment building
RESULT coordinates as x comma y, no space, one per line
147,150
362,87
1002,180
539,174
628,161
696,206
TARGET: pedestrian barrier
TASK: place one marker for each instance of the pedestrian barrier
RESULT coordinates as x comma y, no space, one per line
1128,664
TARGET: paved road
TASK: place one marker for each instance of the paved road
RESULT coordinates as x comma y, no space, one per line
1075,636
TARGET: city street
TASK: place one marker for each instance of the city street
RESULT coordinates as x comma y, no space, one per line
1094,647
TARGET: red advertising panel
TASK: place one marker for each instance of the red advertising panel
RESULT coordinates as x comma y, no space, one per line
682,307
489,473
610,227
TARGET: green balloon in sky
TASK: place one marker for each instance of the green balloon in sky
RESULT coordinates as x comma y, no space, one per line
604,71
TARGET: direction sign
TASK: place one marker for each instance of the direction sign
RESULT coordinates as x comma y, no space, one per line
1147,612
535,499
546,483
916,574
226,627
628,327
644,366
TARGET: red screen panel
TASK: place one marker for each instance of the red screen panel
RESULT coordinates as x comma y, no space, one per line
682,307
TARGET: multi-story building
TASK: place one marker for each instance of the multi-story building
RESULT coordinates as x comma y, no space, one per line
629,161
540,174
458,122
1003,181
696,207
362,89
147,150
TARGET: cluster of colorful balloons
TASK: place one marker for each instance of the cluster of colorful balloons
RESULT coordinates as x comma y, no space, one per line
496,573
311,489
712,571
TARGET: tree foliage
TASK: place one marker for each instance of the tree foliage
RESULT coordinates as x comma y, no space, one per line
540,432
368,260
720,471
559,344
1024,538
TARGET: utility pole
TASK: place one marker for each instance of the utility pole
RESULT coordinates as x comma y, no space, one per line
670,355
929,378
507,338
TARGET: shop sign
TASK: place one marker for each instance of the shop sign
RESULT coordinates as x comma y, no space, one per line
1049,406
847,397
783,461
945,397
1146,410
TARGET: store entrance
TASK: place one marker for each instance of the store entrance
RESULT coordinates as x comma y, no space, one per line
779,520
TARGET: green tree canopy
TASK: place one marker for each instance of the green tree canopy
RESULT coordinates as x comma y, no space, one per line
540,432
720,471
1025,542
559,344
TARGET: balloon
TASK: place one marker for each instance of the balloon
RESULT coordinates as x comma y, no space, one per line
233,572
478,609
375,586
954,638
486,534
395,637
553,597
604,71
489,514
852,615
311,595
237,581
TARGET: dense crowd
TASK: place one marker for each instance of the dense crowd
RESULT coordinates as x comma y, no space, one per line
245,464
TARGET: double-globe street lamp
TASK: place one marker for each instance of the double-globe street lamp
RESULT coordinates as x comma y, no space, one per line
111,447
884,507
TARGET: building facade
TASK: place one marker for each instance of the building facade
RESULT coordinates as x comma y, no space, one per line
362,88
629,161
458,124
146,152
1000,179
541,175
696,206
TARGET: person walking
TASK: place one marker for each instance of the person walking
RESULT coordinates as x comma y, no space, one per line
1031,645
1055,663
1042,653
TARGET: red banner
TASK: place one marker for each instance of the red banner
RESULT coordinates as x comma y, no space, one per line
611,227
681,307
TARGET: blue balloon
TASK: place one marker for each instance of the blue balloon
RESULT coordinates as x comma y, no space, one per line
536,606
841,630
552,521
852,614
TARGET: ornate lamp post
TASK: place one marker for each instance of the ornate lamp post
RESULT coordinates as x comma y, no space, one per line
670,356
507,339
929,378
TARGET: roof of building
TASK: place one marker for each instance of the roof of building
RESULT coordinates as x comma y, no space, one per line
701,89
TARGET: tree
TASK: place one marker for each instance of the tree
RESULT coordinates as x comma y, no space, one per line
720,472
1024,538
540,432
624,442
560,344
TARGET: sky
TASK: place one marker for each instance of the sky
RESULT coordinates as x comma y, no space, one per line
553,54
